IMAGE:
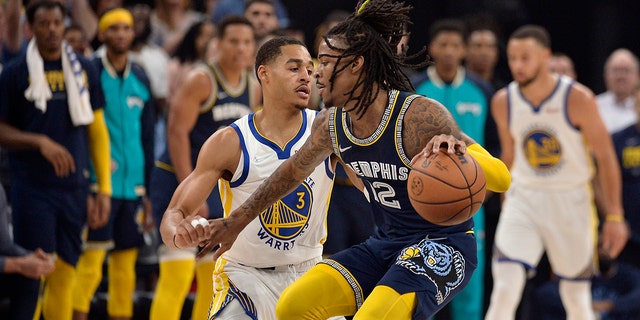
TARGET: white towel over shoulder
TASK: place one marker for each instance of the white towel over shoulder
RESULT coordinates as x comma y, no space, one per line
77,94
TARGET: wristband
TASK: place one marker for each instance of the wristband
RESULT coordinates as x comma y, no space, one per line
614,218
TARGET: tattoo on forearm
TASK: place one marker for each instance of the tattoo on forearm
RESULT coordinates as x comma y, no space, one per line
425,119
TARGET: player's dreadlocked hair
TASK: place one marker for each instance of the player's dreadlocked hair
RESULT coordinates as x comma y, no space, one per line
373,32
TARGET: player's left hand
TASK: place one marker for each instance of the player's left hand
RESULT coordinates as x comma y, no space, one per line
452,144
614,236
224,232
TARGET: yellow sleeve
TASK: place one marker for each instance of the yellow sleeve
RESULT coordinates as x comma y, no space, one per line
495,171
100,152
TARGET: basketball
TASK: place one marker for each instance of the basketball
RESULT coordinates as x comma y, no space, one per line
446,189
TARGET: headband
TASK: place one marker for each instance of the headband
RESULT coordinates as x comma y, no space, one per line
114,16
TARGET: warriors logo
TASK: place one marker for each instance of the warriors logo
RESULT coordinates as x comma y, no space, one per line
287,217
542,150
443,265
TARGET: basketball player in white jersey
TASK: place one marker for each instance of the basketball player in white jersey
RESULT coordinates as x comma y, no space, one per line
548,126
286,239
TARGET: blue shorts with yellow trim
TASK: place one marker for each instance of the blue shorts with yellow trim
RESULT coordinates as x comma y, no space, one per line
125,225
435,267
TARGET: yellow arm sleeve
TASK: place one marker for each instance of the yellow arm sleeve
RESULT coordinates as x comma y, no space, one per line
100,152
495,171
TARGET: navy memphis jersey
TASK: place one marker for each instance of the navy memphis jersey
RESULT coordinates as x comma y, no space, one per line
380,161
56,123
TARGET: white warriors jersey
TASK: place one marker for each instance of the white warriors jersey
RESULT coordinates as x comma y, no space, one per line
550,153
293,229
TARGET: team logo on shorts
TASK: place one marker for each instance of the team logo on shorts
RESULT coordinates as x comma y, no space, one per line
288,217
441,264
542,150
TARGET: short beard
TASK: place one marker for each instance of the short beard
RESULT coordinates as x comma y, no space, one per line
527,82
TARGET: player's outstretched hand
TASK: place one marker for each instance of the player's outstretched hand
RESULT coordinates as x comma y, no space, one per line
442,141
224,232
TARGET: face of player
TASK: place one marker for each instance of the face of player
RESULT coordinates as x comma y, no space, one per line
288,76
263,18
332,93
48,29
118,38
482,51
447,49
236,46
527,59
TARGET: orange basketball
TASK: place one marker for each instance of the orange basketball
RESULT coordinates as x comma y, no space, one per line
446,189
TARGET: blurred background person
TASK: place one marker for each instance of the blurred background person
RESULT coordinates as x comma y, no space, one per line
262,14
170,20
621,77
561,63
16,263
482,56
76,38
191,50
129,114
627,144
51,118
225,8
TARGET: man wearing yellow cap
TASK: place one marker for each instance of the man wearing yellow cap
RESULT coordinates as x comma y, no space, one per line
129,114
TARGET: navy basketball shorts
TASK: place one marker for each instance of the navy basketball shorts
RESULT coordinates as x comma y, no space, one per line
124,229
51,218
436,267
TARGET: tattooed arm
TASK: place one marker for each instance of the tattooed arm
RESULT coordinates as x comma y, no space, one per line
428,125
282,181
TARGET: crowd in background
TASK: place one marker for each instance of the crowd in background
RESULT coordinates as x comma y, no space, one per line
169,38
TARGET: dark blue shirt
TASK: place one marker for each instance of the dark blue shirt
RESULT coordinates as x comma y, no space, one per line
55,123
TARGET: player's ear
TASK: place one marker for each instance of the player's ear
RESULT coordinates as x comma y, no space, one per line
262,73
357,64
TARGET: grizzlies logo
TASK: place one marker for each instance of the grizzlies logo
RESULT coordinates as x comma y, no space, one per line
542,150
287,217
440,263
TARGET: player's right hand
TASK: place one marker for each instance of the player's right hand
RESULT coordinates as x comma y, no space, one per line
192,231
59,157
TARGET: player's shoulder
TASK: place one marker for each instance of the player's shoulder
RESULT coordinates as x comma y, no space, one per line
226,138
422,105
581,90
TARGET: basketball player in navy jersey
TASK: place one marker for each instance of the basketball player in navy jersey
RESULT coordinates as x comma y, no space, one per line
211,97
410,268
548,125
